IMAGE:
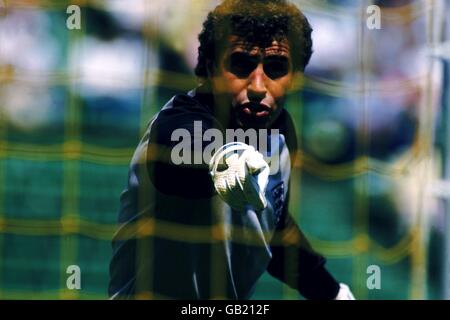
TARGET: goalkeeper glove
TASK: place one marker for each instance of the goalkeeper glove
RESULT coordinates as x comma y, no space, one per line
344,293
240,175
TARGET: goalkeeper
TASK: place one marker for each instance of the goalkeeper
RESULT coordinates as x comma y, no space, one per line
210,229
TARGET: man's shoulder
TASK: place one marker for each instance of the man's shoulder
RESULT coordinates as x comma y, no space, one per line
184,108
286,125
183,111
187,103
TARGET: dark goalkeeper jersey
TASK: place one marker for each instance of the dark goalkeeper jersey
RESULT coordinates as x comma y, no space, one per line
178,239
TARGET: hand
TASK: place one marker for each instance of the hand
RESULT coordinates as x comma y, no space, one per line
240,175
344,293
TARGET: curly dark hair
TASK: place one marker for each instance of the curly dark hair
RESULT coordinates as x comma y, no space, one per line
257,22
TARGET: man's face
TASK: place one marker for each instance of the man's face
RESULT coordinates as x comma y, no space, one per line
255,79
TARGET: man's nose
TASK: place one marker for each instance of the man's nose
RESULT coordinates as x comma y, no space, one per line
256,89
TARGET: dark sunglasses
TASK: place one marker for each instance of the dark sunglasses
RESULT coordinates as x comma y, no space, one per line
242,65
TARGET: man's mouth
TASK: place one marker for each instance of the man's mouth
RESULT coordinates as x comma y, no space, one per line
257,110
253,115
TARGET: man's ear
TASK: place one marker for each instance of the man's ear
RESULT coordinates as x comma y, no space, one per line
297,80
210,68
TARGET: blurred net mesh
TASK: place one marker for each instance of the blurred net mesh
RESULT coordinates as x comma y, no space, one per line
71,117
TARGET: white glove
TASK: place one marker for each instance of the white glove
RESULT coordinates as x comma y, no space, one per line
240,175
344,293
